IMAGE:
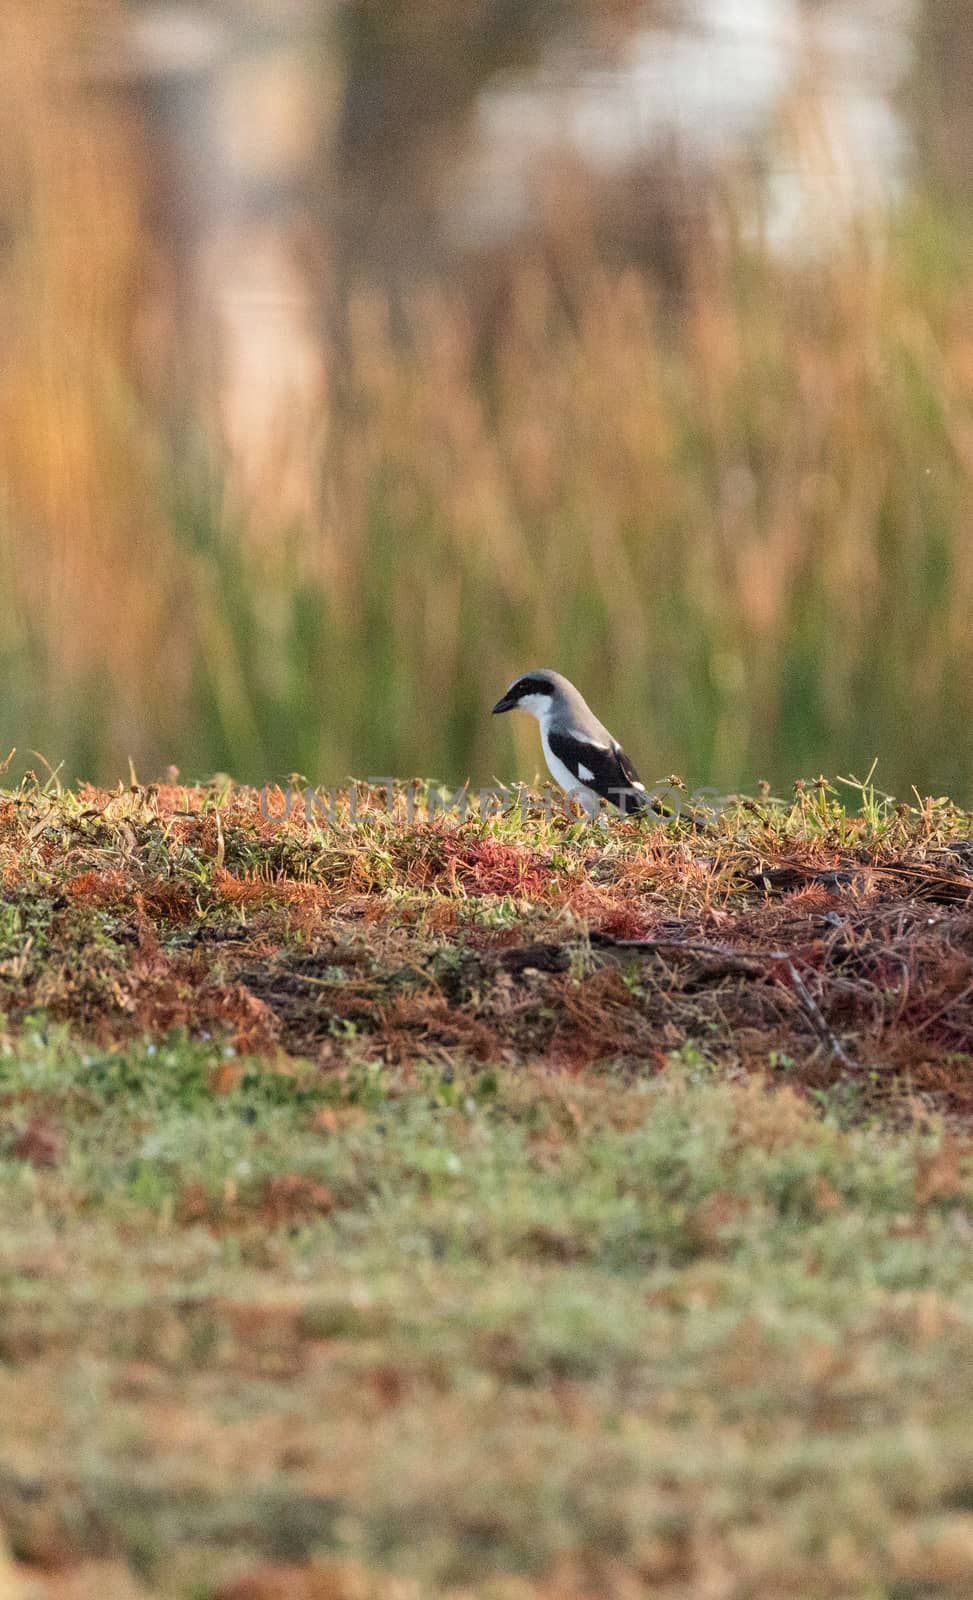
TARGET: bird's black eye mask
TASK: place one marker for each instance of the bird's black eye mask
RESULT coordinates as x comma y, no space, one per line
525,686
518,691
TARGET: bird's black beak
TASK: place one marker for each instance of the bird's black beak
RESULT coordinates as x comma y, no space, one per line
506,704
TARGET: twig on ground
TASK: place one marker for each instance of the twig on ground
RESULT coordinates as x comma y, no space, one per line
754,961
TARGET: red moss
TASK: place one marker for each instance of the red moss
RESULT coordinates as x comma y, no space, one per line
105,888
621,921
488,866
255,890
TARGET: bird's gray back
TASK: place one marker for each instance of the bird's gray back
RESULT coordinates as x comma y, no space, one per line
571,710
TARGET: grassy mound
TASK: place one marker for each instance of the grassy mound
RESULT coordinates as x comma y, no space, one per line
824,944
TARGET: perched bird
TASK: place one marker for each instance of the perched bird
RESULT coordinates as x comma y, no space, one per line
581,754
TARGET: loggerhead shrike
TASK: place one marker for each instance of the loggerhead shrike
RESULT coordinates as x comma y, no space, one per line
580,753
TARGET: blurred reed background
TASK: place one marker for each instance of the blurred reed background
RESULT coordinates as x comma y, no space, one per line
356,356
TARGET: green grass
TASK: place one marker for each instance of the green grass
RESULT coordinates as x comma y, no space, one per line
465,1328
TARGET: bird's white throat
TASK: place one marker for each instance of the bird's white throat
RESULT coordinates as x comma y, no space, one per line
539,706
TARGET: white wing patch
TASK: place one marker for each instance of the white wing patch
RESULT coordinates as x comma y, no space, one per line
637,785
585,773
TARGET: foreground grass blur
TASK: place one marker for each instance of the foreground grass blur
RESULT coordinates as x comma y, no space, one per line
436,1333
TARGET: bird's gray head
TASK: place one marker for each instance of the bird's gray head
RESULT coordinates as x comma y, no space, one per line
539,692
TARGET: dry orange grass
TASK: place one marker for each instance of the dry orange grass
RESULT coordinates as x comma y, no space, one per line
87,578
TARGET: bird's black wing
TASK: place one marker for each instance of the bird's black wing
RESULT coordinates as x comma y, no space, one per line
605,769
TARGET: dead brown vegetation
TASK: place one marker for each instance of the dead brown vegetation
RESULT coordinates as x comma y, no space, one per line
825,951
